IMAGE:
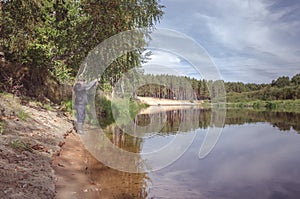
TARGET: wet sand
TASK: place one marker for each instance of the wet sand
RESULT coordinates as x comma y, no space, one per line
80,175
72,171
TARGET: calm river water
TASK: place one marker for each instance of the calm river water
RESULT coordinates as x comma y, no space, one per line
256,156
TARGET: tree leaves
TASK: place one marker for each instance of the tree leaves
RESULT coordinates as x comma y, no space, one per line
43,34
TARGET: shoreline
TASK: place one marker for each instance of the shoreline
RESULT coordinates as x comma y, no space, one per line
151,101
72,171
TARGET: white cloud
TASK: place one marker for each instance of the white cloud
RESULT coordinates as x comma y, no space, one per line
167,63
264,34
164,58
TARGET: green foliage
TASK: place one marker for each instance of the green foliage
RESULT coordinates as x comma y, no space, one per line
257,105
239,87
104,111
266,94
280,89
296,79
54,36
135,107
61,71
67,105
271,105
48,107
274,105
123,109
281,82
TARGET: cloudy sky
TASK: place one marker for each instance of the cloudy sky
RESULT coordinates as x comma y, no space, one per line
247,40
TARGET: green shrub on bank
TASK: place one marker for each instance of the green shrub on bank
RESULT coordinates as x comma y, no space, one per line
271,105
66,105
123,110
257,105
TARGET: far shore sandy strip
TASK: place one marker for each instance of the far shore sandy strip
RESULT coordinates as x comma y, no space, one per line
160,105
168,102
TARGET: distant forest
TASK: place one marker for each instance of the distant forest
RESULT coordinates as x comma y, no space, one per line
178,87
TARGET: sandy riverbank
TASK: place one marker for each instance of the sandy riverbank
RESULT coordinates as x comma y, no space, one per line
168,102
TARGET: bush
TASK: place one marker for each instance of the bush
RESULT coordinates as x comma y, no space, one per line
122,109
271,105
257,105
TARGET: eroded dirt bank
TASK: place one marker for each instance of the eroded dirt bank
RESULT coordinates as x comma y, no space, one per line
29,138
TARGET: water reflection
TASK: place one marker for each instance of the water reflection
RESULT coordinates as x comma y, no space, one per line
282,120
189,119
253,158
249,161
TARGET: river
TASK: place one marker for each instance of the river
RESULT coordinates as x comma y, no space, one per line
256,156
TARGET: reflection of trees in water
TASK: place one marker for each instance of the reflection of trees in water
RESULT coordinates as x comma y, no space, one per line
123,140
282,120
185,120
181,120
191,119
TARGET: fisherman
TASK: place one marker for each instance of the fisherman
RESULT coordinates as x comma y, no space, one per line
81,88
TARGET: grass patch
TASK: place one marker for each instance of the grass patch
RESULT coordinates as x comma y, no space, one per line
23,115
20,145
47,106
12,106
1,127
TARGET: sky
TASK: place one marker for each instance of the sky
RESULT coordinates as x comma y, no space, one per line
252,41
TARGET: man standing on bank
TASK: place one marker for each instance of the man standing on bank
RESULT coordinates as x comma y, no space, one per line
81,100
